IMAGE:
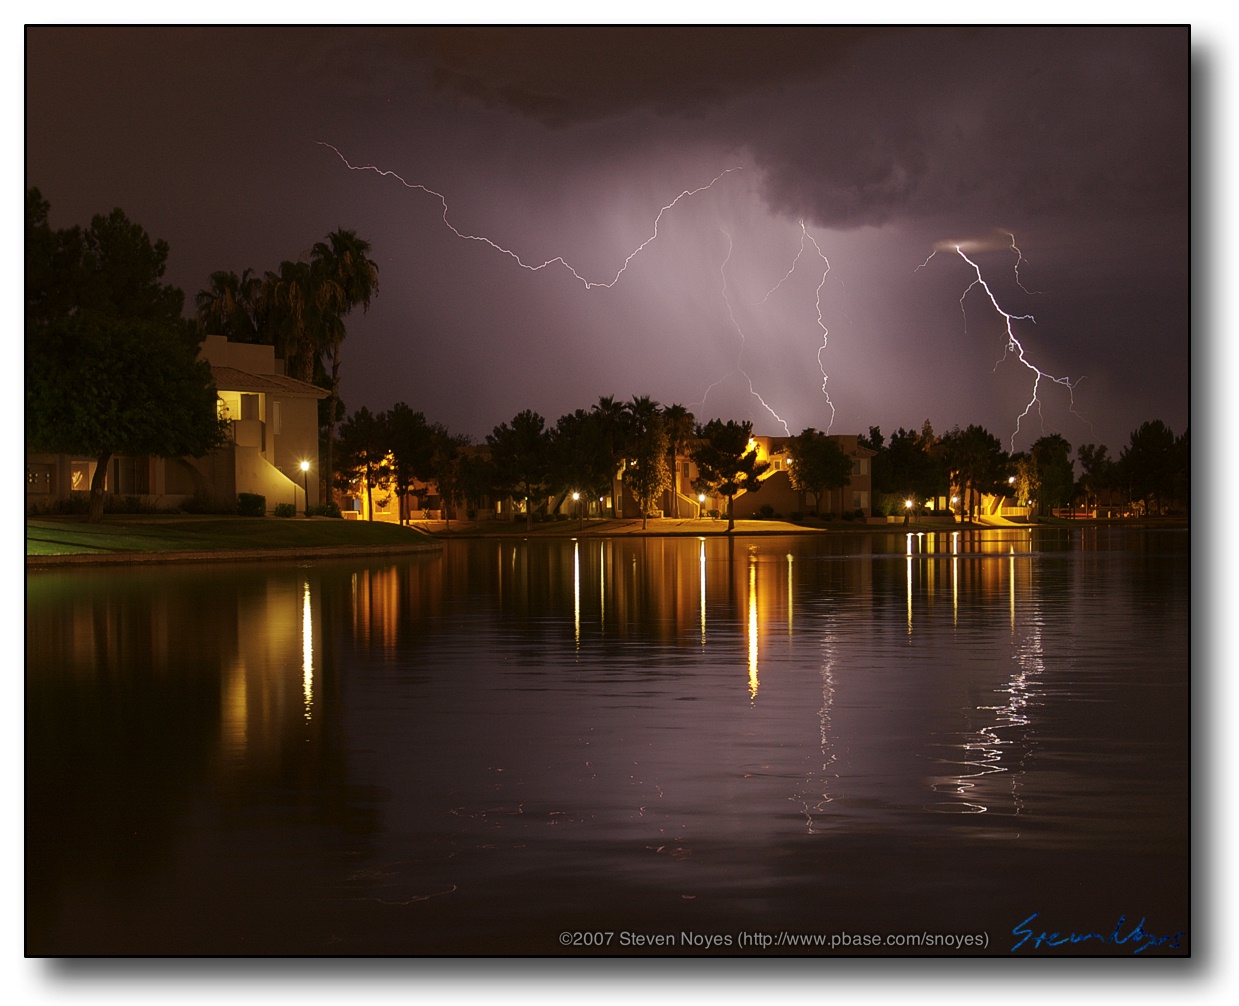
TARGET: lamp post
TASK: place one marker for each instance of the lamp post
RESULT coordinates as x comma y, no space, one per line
576,498
305,483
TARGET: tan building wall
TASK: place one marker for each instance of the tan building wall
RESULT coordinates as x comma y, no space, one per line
273,428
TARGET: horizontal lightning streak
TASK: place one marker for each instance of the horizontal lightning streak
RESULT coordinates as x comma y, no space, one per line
558,259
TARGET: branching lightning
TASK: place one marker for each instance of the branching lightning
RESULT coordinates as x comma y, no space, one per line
557,260
1019,257
806,240
806,237
1013,344
743,340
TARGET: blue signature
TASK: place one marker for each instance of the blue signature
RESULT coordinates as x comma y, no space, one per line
1138,937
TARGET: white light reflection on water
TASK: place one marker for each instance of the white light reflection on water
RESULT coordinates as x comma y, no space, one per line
828,773
307,650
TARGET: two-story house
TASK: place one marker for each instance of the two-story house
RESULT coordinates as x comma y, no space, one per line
272,429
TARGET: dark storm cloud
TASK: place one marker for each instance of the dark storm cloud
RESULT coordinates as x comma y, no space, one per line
859,126
566,75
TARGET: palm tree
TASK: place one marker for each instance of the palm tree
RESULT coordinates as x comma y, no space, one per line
612,422
344,278
679,424
289,304
231,306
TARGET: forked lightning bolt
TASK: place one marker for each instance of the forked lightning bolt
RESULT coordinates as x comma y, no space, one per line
805,236
557,260
1013,344
590,284
740,355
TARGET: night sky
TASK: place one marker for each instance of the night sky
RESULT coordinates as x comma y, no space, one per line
866,149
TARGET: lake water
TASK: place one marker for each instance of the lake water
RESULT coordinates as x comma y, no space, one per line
693,745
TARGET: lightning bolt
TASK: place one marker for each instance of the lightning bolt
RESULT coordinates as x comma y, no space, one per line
1019,257
807,238
557,260
590,284
1013,344
740,355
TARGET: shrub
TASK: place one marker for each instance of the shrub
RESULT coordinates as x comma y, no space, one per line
766,511
77,503
203,502
830,515
713,513
252,504
285,510
795,515
326,510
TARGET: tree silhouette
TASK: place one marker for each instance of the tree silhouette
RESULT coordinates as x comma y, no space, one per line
727,461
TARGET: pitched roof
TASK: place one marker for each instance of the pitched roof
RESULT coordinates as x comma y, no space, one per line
231,379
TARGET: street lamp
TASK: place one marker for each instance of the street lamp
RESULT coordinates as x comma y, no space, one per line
305,483
576,498
907,510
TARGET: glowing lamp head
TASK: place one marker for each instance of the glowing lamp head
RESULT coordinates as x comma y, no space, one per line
305,466
907,504
701,497
576,497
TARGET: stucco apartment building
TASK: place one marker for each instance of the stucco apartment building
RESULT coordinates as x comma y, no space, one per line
272,429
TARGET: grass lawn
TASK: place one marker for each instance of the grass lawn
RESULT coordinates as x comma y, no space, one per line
72,535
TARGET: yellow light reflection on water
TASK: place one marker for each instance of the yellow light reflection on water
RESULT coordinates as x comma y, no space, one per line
955,590
702,564
752,628
576,590
307,650
790,593
909,585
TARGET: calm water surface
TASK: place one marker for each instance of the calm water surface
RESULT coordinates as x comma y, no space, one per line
477,750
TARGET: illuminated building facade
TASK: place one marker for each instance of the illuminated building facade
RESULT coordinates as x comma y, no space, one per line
272,428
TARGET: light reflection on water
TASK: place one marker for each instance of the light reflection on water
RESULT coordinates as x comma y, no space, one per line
513,734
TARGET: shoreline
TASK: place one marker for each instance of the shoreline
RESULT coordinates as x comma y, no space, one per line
222,555
440,533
